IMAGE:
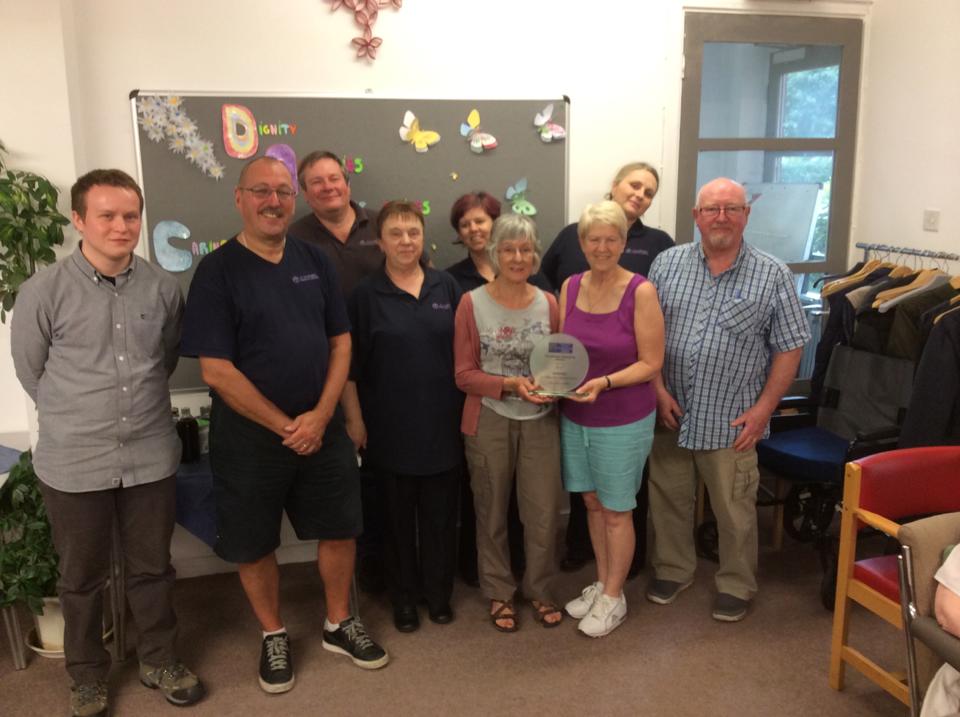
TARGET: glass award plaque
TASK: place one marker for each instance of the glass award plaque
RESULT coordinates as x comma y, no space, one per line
559,364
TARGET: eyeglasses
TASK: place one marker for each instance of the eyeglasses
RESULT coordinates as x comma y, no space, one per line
713,212
261,193
524,251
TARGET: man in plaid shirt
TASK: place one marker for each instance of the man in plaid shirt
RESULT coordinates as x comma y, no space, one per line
735,332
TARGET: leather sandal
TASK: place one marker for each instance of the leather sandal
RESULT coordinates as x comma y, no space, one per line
543,610
504,612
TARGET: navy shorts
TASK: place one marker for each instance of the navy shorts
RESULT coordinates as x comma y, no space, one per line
256,478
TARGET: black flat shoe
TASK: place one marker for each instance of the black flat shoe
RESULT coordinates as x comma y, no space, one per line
572,562
442,615
405,618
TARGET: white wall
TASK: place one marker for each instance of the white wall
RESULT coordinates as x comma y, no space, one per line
909,153
620,62
35,127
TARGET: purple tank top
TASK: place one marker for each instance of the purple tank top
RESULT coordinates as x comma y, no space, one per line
611,345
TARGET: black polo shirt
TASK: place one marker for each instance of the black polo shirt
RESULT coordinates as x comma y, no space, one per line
403,366
354,259
271,320
565,258
469,278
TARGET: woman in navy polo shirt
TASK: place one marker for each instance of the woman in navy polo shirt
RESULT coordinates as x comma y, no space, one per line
402,373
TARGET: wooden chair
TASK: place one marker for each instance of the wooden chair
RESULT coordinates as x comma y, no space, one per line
878,491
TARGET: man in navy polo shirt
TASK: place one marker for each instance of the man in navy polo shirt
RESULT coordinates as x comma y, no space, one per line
266,318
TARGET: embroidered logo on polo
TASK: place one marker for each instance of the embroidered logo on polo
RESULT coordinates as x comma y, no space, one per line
440,307
630,250
305,277
367,242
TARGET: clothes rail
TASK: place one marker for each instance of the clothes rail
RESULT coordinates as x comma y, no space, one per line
908,251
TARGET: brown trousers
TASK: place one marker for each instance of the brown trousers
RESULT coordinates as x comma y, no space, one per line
530,450
82,533
731,478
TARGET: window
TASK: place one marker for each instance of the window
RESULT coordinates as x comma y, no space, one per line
771,101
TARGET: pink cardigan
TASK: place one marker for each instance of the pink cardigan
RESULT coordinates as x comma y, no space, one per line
471,379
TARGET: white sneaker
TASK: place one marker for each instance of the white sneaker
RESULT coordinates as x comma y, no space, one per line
605,616
580,606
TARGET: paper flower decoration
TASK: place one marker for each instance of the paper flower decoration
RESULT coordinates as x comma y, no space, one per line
164,118
367,45
365,14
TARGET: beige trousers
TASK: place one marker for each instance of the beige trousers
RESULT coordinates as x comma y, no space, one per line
530,450
731,478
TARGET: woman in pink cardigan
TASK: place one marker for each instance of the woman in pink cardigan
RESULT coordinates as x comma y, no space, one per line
509,433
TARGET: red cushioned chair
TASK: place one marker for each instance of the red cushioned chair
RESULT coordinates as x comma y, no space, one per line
879,490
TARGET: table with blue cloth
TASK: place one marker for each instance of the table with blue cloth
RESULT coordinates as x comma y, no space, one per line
196,511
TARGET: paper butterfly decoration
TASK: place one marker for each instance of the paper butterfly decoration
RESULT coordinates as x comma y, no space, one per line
478,139
518,200
549,131
421,139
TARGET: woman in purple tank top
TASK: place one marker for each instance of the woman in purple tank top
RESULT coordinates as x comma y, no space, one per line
607,430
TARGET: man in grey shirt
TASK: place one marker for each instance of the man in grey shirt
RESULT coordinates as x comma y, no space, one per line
94,338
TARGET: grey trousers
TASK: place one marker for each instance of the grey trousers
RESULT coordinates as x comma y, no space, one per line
82,533
530,450
731,478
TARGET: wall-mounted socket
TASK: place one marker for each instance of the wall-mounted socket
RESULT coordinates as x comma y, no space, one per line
931,220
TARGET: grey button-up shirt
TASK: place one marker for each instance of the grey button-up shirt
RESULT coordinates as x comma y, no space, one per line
95,357
721,332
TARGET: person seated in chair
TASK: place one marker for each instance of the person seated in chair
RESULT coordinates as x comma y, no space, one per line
943,694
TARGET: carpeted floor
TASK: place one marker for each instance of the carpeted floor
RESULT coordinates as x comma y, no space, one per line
672,660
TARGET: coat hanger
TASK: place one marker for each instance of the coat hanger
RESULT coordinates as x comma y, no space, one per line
922,279
951,310
901,270
854,278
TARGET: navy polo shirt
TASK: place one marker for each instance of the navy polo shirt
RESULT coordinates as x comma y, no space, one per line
565,258
403,367
271,320
467,276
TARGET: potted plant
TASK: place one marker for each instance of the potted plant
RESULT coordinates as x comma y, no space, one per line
30,227
28,560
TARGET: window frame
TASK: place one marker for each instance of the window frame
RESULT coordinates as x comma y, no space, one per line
708,27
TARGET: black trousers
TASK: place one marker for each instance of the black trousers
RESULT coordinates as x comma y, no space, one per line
82,526
420,535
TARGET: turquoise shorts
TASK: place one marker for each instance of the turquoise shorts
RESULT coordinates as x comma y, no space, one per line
608,461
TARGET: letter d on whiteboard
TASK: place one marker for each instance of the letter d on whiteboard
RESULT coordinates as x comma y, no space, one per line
240,138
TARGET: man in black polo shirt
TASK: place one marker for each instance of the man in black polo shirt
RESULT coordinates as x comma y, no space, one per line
345,231
266,318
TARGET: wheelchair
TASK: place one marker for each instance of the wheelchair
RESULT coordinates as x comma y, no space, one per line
864,401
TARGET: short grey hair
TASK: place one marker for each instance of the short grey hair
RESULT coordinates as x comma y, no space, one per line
508,227
606,212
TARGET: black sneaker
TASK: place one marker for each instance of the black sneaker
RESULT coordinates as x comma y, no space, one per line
664,592
89,699
276,664
729,608
352,640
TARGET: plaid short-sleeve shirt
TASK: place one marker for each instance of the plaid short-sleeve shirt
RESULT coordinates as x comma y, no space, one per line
721,332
